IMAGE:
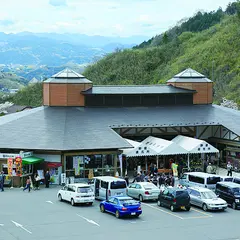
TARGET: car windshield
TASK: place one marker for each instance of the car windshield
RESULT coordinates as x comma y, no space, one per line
213,180
236,191
228,180
150,187
128,202
118,185
208,195
84,190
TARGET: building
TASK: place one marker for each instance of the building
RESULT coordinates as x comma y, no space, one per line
81,127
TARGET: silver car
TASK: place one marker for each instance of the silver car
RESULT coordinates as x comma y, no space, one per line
206,199
143,191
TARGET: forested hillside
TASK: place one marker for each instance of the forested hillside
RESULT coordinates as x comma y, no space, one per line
207,42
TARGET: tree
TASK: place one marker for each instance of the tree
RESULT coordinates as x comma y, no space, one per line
165,38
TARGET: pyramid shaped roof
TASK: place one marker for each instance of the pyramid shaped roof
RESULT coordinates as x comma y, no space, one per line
67,76
189,75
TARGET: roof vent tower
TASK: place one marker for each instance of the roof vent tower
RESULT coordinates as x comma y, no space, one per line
191,79
64,89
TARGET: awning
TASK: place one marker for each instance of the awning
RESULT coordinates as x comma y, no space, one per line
31,160
193,145
53,164
135,144
153,146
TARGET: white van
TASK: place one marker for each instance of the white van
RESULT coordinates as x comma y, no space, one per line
200,179
106,186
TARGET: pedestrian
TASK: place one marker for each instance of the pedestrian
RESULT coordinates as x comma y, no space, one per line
28,185
126,179
37,181
154,180
2,179
209,168
205,164
47,179
142,176
229,169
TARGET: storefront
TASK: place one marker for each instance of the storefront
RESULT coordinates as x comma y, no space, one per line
87,166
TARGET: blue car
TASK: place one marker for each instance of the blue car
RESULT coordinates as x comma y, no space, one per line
121,206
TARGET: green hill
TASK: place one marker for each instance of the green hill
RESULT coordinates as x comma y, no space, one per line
207,42
11,81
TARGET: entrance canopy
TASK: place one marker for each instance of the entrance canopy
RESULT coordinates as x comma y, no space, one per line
31,160
134,144
193,145
153,146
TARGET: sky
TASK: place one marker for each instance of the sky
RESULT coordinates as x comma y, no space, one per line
100,17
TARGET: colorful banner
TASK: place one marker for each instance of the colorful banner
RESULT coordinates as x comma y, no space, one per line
10,166
18,163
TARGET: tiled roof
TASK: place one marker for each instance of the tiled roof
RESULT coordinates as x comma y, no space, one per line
79,128
136,89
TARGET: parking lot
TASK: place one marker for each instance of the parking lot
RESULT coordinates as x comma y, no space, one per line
38,215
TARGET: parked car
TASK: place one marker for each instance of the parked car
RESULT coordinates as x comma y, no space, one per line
199,179
236,180
143,191
230,192
174,198
76,193
206,199
121,206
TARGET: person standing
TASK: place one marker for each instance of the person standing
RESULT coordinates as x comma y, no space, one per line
28,185
47,179
37,180
2,179
127,179
229,169
209,168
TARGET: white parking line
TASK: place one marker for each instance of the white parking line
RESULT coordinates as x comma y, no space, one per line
1,225
89,220
159,209
49,202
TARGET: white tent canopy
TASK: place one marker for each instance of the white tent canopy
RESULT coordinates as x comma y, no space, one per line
134,144
153,146
193,145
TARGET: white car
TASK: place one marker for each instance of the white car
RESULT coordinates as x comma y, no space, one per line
76,193
206,199
143,191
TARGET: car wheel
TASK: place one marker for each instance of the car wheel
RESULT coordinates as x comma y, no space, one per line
102,208
60,197
159,203
204,207
172,208
234,205
140,198
187,208
117,214
72,202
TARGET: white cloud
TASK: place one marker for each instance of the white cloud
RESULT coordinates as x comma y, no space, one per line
99,17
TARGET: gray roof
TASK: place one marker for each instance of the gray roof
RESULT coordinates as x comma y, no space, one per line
136,89
189,75
67,76
79,128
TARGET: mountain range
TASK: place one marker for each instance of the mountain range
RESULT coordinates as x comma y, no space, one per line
58,49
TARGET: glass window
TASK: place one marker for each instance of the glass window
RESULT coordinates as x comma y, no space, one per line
208,195
111,200
236,191
138,186
115,201
132,186
127,202
213,180
237,180
104,184
84,190
118,185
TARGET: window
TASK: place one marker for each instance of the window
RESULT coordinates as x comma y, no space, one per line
118,185
184,176
138,186
84,190
165,192
236,180
213,180
104,184
115,201
132,186
236,191
208,195
111,200
196,179
195,193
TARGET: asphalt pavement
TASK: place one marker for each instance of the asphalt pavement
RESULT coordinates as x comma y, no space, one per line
38,215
